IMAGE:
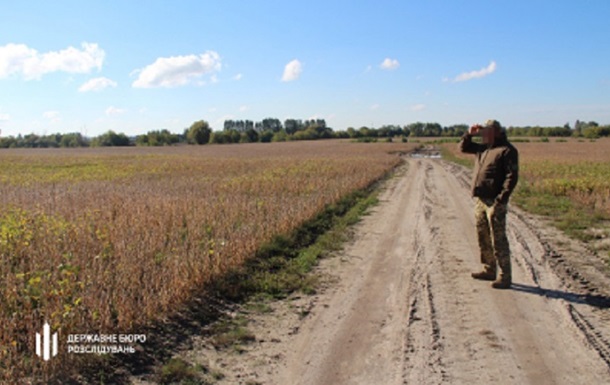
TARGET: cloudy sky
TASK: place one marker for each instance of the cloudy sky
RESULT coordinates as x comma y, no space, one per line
135,66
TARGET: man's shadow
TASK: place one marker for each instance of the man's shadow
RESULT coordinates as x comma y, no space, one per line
595,300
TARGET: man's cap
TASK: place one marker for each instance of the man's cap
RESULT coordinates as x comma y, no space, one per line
491,123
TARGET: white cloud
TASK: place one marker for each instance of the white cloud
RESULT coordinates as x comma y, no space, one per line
53,116
177,71
418,107
19,59
97,84
238,77
389,64
114,111
491,68
292,71
4,117
244,108
375,107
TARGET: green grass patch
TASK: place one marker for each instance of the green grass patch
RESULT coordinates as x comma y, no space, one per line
572,218
445,140
178,371
231,333
449,156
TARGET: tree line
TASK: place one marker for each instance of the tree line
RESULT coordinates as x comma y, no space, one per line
590,130
273,130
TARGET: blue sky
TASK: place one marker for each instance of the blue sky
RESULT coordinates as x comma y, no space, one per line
135,66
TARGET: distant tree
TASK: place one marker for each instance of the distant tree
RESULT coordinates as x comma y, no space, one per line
265,136
455,130
578,126
341,135
432,129
157,138
308,134
271,124
280,136
416,129
199,133
226,137
292,125
219,137
351,131
110,138
142,140
365,132
252,135
73,140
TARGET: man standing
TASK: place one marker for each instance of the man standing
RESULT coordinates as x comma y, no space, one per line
495,176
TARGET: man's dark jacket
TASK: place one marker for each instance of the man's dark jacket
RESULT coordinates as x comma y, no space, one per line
496,168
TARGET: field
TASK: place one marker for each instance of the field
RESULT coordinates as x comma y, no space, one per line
107,240
113,240
567,180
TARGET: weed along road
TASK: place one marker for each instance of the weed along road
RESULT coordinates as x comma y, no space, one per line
403,309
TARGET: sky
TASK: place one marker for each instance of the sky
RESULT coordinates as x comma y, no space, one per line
136,66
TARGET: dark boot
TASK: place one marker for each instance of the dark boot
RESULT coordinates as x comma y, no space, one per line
503,282
505,279
488,274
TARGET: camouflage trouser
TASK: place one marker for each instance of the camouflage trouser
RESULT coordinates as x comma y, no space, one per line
491,230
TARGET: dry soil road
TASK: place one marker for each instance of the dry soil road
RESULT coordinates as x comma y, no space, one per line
403,309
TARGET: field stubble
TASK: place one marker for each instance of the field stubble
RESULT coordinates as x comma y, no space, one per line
96,241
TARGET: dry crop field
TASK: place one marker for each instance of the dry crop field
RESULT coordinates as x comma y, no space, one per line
106,240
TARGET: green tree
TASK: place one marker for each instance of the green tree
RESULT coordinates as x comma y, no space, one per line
267,135
199,133
110,138
280,136
73,140
351,131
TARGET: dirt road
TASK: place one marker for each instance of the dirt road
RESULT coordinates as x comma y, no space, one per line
402,309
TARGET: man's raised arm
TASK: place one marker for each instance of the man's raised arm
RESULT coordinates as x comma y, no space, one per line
467,145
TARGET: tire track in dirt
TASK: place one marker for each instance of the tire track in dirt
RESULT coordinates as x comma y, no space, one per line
423,331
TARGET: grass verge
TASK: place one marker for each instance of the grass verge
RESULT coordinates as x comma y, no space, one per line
575,220
449,156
